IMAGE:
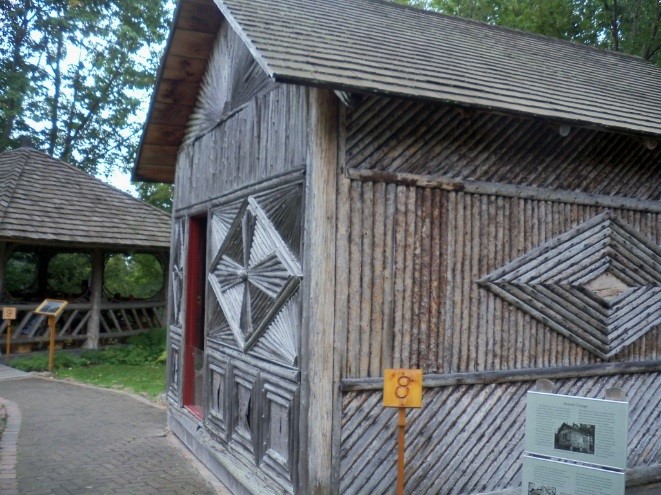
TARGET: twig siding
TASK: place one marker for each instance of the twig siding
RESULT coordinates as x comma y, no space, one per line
469,438
417,138
263,139
441,243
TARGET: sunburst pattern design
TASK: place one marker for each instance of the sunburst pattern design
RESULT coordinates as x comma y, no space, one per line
254,273
598,284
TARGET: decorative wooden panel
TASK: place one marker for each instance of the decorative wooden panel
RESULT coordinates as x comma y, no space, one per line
177,273
598,284
231,79
244,410
279,400
469,439
255,274
265,138
217,397
254,412
418,138
174,367
412,257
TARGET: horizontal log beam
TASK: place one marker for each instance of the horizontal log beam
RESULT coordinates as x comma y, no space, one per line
510,376
505,190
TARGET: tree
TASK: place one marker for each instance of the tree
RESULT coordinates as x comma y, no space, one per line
156,194
71,73
628,26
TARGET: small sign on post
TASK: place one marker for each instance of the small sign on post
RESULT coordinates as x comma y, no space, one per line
9,315
402,388
51,308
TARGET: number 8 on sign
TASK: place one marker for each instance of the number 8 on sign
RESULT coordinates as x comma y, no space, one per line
402,388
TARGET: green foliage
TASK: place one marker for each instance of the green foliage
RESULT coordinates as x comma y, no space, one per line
629,26
71,73
69,274
138,275
143,349
156,194
147,379
21,272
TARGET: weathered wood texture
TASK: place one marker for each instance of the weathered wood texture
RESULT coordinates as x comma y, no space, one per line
414,257
469,439
417,138
265,138
231,79
46,200
317,357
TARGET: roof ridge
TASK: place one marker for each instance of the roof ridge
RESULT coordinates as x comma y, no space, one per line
498,27
24,153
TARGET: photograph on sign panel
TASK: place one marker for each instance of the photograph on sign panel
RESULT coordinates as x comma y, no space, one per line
536,489
575,438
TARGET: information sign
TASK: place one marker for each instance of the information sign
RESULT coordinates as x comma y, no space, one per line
547,477
51,307
577,429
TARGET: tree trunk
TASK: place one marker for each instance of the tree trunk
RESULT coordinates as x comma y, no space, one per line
92,341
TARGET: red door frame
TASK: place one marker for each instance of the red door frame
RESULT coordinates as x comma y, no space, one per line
194,318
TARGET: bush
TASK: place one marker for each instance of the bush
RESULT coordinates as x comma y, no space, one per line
141,349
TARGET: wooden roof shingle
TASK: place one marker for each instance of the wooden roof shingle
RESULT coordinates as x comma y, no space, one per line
376,46
44,200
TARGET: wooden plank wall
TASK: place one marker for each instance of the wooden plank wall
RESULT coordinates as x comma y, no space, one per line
414,256
414,253
419,138
469,438
245,128
412,244
266,139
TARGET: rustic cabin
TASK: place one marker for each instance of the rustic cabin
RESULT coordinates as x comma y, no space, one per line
66,235
361,186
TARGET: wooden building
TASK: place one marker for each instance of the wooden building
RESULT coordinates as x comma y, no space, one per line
360,186
50,210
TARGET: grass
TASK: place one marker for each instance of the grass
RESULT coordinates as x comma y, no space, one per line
147,379
138,366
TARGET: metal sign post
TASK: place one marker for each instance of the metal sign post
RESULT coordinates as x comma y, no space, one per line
8,314
51,308
402,388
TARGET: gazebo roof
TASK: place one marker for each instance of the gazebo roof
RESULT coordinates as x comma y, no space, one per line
44,200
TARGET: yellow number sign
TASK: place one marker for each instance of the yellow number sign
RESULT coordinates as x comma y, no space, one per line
402,388
8,313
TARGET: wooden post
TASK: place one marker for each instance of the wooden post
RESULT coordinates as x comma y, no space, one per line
92,341
51,347
316,404
402,388
401,425
9,329
9,315
3,262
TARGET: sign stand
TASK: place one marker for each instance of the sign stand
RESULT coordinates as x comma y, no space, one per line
53,309
8,314
402,388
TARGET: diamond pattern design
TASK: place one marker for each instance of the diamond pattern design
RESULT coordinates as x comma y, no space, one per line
598,284
253,274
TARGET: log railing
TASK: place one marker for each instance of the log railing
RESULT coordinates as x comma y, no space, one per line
116,320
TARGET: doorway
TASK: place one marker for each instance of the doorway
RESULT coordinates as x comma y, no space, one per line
193,379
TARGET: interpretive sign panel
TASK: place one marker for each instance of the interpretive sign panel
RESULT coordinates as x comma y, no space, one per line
51,307
577,428
546,477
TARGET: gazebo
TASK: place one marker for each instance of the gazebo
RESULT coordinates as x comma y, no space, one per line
53,214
